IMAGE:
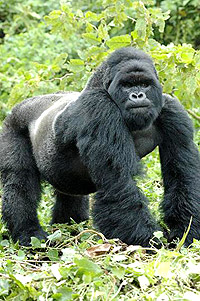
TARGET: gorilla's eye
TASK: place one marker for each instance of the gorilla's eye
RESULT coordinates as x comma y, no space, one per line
145,85
135,84
128,85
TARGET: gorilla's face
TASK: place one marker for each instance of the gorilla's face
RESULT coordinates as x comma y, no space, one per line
135,89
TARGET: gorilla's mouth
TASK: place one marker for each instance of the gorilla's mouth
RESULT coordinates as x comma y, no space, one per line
137,103
137,106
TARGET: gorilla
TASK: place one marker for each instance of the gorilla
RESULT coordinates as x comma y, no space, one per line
93,141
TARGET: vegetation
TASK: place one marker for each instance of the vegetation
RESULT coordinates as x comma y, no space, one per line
46,47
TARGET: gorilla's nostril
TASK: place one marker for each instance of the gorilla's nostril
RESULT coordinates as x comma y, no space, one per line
133,96
141,96
137,96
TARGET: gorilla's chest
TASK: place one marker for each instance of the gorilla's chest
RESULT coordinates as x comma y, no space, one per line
146,140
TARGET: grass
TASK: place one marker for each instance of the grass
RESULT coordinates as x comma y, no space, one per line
80,264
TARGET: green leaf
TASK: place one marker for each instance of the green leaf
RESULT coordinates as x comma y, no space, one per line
134,34
5,243
21,255
55,236
140,27
158,234
87,277
4,287
54,15
191,84
75,65
21,280
187,56
35,242
87,266
63,294
91,38
119,272
92,16
163,269
68,254
65,7
144,281
119,41
53,254
103,31
55,271
161,25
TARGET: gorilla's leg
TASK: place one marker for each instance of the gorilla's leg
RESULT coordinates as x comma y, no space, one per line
67,206
21,187
181,172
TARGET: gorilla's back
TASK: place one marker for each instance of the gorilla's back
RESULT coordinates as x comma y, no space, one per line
49,111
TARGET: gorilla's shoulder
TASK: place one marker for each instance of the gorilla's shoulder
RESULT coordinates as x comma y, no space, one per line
171,101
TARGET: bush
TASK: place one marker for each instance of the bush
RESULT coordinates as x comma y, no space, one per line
36,61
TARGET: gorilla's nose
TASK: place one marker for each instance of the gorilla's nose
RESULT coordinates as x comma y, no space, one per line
137,96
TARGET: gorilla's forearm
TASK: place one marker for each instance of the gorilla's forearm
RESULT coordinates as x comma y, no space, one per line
180,163
118,201
127,212
101,137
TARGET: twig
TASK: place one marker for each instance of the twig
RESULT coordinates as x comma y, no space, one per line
194,115
58,78
182,241
5,276
119,289
90,231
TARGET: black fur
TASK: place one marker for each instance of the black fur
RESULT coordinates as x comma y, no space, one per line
94,144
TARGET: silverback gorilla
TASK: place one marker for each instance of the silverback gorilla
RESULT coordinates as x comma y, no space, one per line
92,142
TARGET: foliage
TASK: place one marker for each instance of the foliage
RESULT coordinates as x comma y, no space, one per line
178,66
51,62
185,18
19,16
181,27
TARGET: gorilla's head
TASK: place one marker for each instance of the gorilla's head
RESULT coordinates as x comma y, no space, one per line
132,83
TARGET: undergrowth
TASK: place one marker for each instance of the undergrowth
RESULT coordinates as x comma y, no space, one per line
78,263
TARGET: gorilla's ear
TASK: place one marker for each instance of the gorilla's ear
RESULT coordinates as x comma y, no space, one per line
155,72
100,78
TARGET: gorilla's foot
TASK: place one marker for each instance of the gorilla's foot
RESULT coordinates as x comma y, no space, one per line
177,234
68,206
24,237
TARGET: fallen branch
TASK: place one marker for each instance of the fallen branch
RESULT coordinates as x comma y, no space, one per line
194,115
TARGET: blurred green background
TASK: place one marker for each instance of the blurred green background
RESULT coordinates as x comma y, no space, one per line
51,46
